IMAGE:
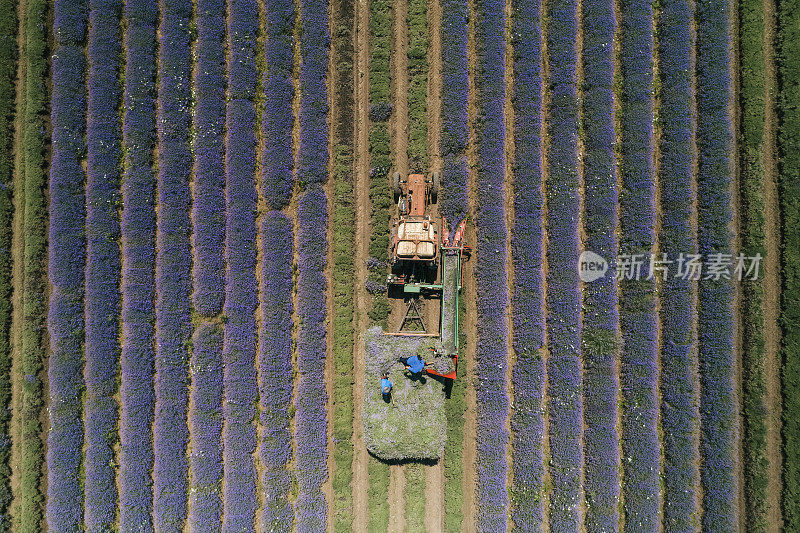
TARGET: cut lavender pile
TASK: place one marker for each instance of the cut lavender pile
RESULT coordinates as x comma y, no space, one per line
411,426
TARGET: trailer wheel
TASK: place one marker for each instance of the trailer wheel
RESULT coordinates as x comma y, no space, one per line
396,185
435,188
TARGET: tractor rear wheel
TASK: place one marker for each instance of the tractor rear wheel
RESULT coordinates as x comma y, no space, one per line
435,188
396,185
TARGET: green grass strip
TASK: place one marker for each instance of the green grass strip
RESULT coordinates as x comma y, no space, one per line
415,498
377,496
8,67
343,266
380,194
418,86
454,408
28,515
751,44
789,191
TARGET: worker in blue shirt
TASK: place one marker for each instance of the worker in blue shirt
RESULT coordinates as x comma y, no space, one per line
386,385
414,364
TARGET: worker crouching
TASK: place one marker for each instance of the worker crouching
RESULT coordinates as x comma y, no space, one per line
414,364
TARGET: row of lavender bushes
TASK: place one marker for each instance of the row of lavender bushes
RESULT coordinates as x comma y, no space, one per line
277,238
66,265
563,302
343,268
380,196
490,269
8,69
311,421
103,262
527,249
241,297
453,205
599,341
679,413
640,445
173,267
208,271
138,268
715,175
28,516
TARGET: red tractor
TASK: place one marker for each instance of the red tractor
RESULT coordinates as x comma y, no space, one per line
415,241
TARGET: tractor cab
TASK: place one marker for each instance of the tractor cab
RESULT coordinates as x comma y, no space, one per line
414,236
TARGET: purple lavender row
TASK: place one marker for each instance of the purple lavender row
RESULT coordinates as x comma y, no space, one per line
205,420
173,267
718,397
103,264
241,297
312,157
453,202
65,319
208,222
278,118
275,361
601,317
208,212
641,452
490,272
311,417
138,267
527,234
679,400
563,291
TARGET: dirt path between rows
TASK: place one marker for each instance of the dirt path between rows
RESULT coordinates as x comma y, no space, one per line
434,475
362,215
772,281
398,140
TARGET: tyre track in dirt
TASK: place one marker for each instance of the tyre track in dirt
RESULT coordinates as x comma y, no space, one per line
772,280
434,475
398,141
361,83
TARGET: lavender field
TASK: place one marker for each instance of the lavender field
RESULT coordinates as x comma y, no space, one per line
195,214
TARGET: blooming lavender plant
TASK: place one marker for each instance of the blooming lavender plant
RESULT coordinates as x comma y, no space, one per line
455,74
103,261
208,207
311,414
641,448
173,268
563,293
275,362
491,353
67,246
240,329
600,317
205,420
278,118
312,158
528,373
718,397
138,265
678,408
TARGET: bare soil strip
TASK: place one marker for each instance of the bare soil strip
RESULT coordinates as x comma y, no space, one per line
772,281
361,83
398,141
509,266
434,475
